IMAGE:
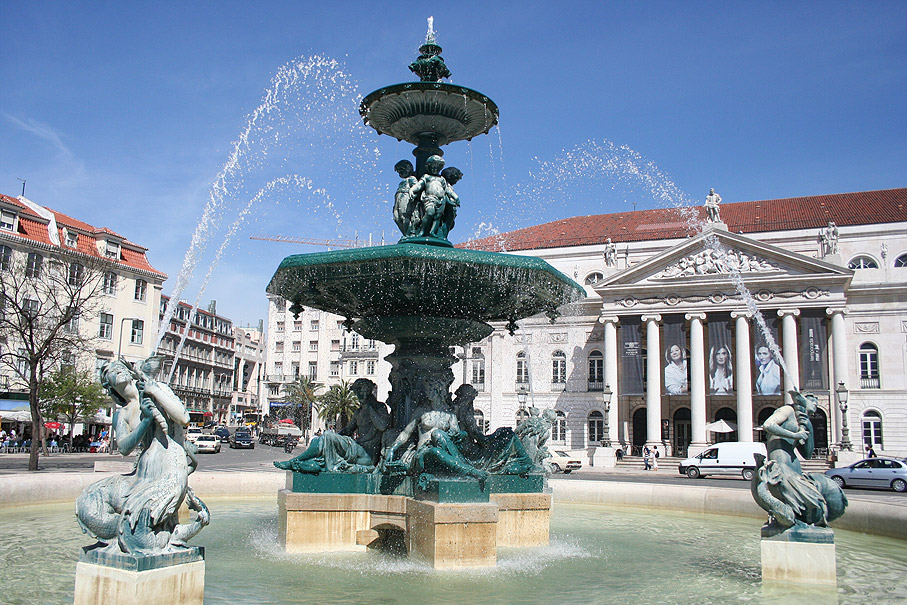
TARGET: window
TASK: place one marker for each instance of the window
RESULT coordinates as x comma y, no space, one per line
22,365
294,370
278,367
596,427
280,327
478,371
594,278
72,239
72,321
105,330
869,366
313,325
297,326
76,274
370,367
141,288
6,257
354,342
67,358
862,262
596,371
274,390
901,261
278,346
872,429
313,345
7,220
559,427
559,367
335,368
297,346
354,368
138,331
112,249
479,417
522,368
313,370
110,283
371,345
31,308
33,265
335,345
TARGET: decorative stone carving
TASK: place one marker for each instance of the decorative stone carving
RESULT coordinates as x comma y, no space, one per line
866,327
712,262
594,336
557,337
523,338
718,298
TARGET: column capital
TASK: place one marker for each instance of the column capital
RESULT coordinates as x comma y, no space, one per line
842,310
699,316
654,317
783,312
608,319
743,314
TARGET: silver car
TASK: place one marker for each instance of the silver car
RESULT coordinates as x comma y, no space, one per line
872,472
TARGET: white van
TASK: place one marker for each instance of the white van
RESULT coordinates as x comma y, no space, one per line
728,458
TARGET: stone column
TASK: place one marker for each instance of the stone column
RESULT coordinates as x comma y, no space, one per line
790,350
743,379
697,380
611,374
839,368
653,380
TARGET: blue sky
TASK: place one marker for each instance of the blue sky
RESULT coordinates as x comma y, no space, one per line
124,114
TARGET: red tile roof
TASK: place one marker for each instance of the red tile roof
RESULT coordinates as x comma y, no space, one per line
812,212
34,228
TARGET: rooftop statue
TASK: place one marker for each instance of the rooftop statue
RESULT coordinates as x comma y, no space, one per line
829,238
138,513
711,206
794,499
610,253
339,451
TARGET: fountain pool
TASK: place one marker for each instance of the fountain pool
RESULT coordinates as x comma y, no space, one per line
598,554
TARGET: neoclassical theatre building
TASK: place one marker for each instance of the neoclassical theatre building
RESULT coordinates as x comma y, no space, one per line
679,324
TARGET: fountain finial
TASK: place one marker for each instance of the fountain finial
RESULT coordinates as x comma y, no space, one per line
429,66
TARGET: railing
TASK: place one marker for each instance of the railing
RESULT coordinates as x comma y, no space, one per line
558,386
870,383
479,386
596,385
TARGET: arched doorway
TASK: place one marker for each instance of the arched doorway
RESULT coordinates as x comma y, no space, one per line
728,415
683,431
639,428
820,432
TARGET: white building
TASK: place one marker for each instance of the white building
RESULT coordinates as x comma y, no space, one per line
249,397
836,306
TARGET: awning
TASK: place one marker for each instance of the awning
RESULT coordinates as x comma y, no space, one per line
15,416
721,426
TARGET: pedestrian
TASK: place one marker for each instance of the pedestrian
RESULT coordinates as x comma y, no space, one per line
620,454
645,456
870,453
655,458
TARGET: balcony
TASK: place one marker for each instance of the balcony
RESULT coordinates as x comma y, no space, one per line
871,382
478,386
596,385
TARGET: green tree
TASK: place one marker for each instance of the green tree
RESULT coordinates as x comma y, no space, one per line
73,394
338,404
301,396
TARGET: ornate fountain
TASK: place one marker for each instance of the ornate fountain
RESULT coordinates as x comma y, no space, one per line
421,471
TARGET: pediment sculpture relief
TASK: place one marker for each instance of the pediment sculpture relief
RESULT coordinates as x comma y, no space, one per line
713,262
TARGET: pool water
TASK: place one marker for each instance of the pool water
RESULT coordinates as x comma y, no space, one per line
597,554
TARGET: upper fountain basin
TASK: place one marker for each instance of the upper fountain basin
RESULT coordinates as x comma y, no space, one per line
417,280
444,112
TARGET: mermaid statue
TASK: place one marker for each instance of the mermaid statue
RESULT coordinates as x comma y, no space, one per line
794,499
138,513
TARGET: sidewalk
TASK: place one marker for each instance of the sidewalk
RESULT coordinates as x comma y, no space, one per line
11,464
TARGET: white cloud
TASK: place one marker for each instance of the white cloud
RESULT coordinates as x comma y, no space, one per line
42,131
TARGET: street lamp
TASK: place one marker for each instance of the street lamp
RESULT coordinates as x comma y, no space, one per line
521,397
607,393
842,394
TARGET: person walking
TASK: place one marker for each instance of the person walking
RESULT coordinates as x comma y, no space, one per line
645,457
655,458
870,452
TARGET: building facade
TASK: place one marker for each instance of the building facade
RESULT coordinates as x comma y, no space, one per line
682,315
126,320
248,376
202,343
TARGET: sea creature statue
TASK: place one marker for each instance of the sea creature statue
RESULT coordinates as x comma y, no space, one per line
794,499
339,451
138,513
534,433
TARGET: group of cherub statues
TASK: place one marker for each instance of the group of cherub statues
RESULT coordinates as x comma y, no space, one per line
441,439
426,207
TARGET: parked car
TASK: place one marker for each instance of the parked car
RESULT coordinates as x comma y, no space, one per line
223,433
886,473
242,438
193,433
728,458
562,461
207,444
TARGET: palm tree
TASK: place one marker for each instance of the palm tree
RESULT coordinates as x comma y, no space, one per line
338,404
301,395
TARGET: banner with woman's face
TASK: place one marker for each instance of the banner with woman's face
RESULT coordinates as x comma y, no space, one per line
721,358
675,368
768,372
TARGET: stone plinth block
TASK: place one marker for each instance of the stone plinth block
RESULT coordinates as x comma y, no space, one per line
449,536
523,519
109,579
453,489
804,555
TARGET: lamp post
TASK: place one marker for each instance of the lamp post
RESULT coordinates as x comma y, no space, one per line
842,394
607,393
521,397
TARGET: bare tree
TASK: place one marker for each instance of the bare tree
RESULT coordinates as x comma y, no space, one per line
43,299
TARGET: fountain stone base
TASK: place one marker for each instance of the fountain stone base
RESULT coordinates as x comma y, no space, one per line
178,577
805,555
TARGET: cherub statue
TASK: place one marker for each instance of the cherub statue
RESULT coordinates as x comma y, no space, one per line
434,191
453,176
138,513
404,205
711,206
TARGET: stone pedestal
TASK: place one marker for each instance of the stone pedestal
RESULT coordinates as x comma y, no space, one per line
803,555
523,519
109,579
449,535
603,457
